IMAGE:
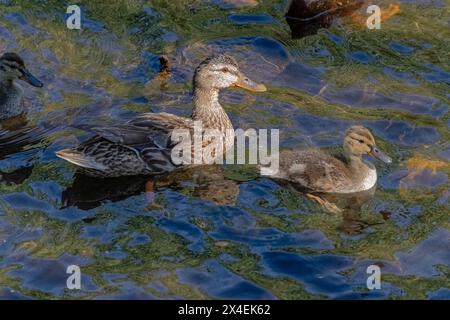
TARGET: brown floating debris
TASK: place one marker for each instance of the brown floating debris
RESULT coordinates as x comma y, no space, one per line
306,17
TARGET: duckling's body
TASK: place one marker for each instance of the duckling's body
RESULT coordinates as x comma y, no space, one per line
320,172
12,68
144,145
11,103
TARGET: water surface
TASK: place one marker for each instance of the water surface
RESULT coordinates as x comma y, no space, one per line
222,232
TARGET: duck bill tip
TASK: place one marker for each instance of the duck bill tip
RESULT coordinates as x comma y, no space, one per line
245,83
30,79
380,155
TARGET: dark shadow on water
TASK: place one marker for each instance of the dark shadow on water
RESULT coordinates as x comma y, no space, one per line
17,176
204,182
88,192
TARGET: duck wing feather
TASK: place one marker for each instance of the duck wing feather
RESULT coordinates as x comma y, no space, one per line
150,130
313,170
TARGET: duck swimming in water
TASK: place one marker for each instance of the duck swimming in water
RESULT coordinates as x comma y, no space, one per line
143,145
13,68
316,171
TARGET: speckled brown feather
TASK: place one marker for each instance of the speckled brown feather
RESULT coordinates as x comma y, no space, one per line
315,170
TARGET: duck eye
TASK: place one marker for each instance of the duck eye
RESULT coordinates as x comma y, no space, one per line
224,70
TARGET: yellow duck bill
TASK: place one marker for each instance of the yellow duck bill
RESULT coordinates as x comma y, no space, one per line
245,83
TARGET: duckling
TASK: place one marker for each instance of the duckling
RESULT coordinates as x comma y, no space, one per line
12,68
318,172
143,145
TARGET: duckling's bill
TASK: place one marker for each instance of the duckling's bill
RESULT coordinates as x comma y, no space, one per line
28,77
245,83
380,155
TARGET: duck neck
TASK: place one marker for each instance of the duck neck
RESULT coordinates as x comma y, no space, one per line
356,164
208,109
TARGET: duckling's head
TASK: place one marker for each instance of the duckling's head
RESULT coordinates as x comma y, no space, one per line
222,71
12,67
359,141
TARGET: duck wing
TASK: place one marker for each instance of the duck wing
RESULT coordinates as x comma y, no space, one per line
140,146
313,170
110,159
123,134
160,126
150,130
163,121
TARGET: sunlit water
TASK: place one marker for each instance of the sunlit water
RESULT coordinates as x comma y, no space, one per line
223,232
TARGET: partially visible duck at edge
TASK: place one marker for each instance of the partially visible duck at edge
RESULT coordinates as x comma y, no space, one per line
142,146
13,68
316,171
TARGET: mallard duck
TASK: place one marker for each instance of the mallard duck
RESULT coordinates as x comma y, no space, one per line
12,68
316,171
143,145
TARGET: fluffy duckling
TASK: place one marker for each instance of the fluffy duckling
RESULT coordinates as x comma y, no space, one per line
13,68
143,145
316,171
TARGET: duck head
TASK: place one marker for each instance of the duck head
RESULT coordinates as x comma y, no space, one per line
359,141
222,71
12,67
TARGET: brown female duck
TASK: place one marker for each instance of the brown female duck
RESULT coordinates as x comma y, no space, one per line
143,145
